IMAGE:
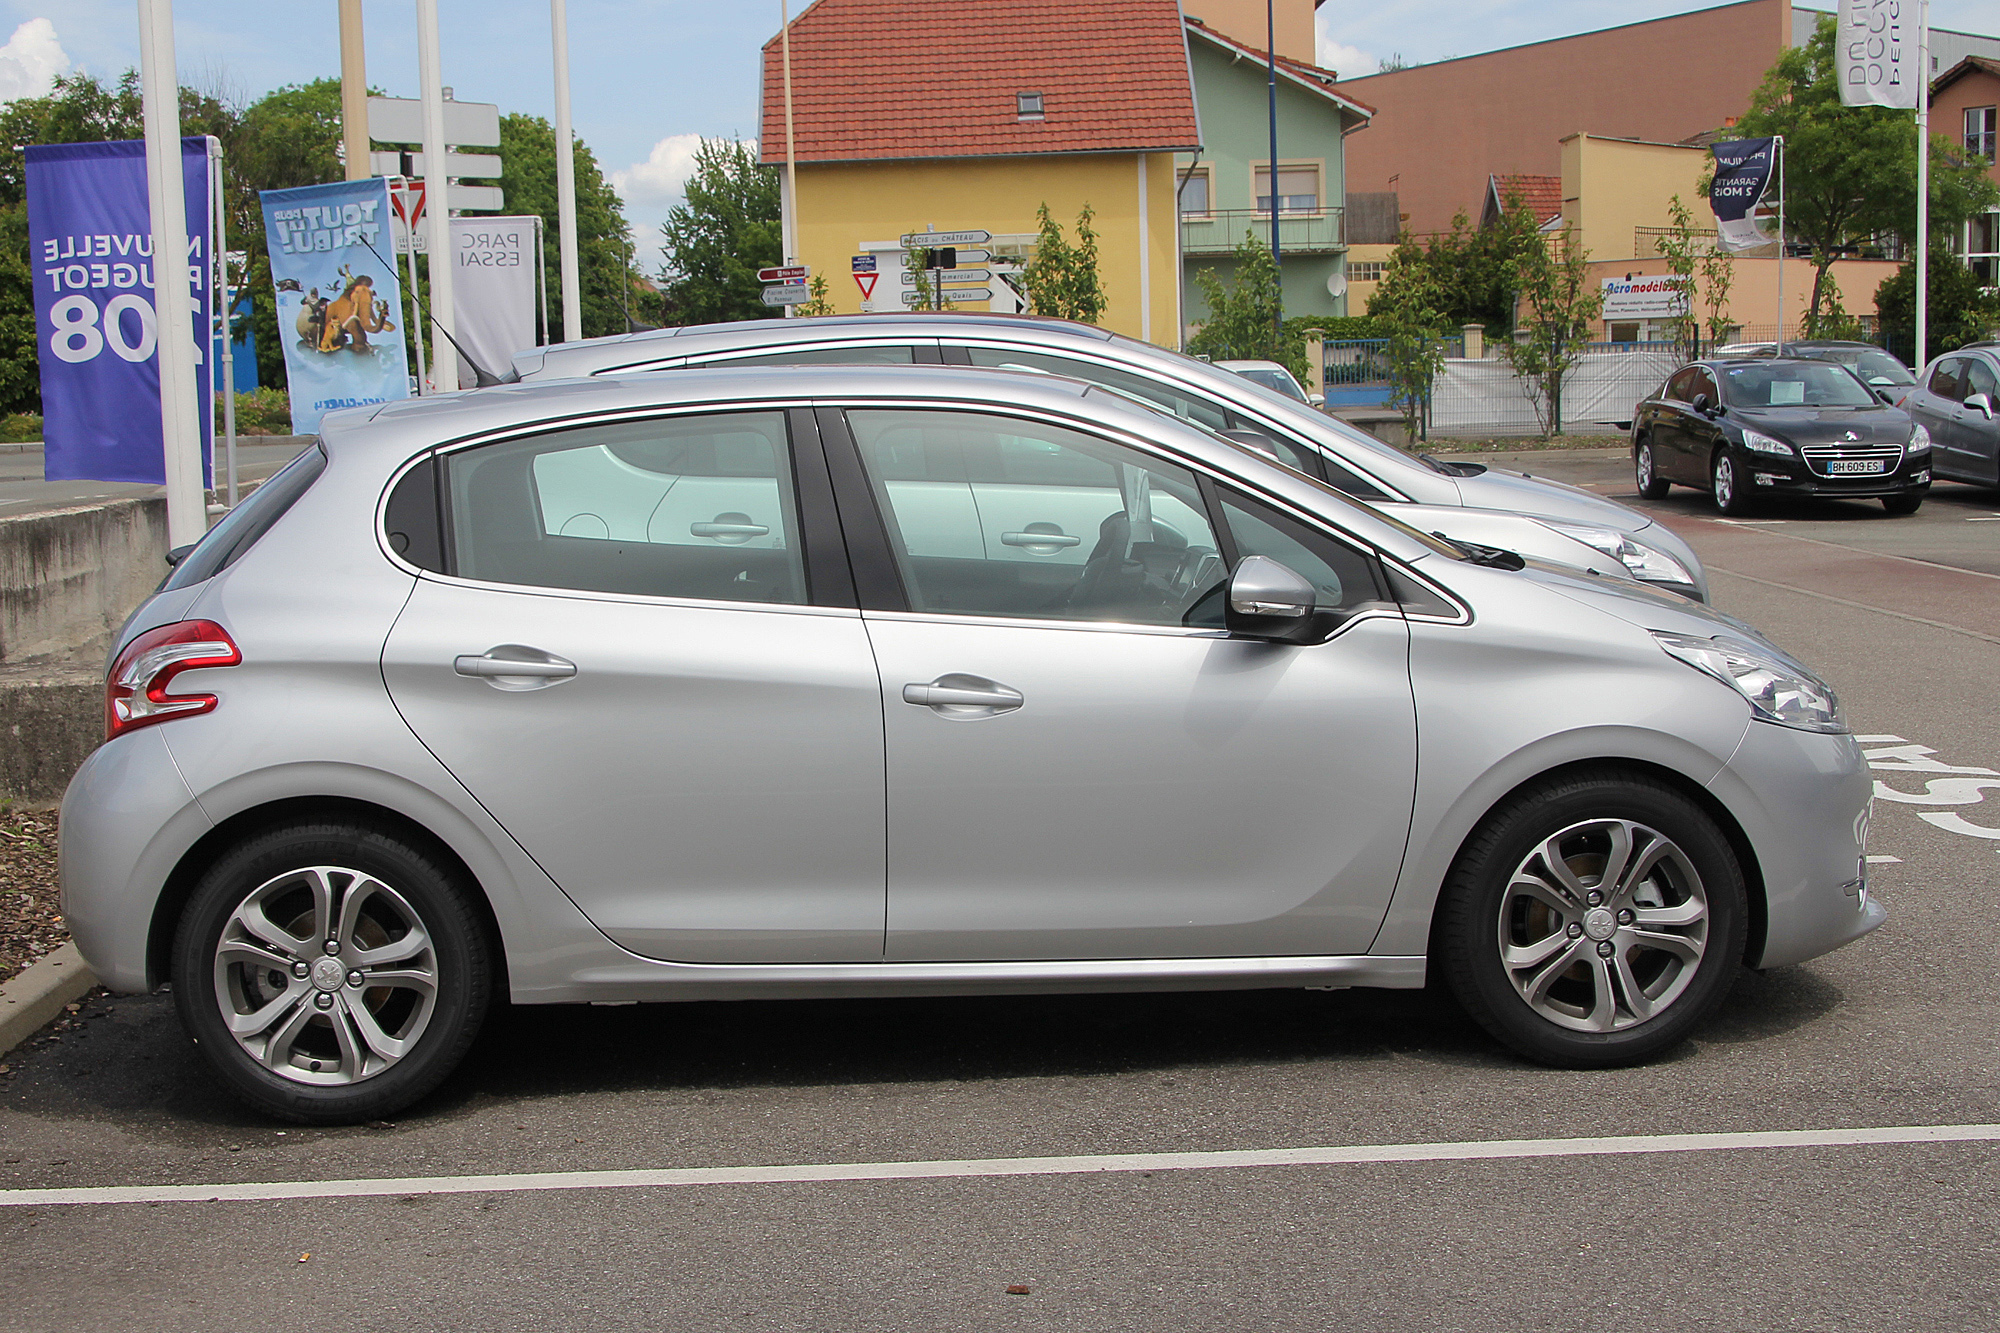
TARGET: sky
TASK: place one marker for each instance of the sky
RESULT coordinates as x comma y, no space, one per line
650,78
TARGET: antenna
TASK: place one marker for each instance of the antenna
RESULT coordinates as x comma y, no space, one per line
482,378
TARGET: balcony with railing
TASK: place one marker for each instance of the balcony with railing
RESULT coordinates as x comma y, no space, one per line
1220,231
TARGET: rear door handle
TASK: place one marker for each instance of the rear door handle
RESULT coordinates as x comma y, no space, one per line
961,696
513,666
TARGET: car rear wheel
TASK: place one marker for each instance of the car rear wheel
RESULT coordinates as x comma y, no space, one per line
1652,486
1902,504
331,972
1593,920
1727,483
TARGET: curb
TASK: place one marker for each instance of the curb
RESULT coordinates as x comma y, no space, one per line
39,993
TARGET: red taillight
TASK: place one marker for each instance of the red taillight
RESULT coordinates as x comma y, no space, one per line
135,693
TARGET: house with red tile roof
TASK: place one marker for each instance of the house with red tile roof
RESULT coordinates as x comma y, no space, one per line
904,118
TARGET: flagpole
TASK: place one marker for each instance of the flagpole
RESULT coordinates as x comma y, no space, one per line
566,251
1778,148
439,256
1923,178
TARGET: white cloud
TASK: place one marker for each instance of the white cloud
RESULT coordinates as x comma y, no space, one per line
1350,62
31,60
657,182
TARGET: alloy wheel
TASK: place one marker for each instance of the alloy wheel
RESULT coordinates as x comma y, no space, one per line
1603,925
326,975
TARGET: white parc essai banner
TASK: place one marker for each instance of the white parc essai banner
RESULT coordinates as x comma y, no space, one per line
494,289
1875,46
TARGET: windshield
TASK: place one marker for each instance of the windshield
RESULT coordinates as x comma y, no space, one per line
1877,368
1274,379
1793,384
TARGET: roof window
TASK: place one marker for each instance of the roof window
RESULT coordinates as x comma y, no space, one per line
1028,106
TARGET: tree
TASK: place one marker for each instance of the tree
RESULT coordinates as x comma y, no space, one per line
1410,306
1683,249
1241,323
603,242
1851,170
1559,304
1062,278
819,305
716,241
1957,309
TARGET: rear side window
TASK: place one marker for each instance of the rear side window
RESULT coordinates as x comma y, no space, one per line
242,526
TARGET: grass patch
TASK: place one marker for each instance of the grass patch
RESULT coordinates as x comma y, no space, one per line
1508,444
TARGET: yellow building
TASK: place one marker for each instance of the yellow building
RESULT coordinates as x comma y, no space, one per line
904,125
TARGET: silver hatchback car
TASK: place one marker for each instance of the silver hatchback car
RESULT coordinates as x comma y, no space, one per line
912,681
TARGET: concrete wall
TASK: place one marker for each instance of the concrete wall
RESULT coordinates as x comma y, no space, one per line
1612,187
1443,128
69,577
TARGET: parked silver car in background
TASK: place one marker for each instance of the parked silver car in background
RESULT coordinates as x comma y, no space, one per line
1322,446
884,681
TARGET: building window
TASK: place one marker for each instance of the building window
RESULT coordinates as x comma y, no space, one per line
1028,106
1298,189
1194,193
1365,270
1982,248
1979,128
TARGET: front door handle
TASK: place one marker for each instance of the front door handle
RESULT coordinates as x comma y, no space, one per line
721,527
514,666
958,695
1032,539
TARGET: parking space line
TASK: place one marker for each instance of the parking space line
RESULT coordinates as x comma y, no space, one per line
826,1173
1864,606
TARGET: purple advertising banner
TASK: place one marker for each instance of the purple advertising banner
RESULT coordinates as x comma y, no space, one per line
90,233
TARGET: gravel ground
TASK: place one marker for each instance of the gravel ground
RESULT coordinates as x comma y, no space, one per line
31,921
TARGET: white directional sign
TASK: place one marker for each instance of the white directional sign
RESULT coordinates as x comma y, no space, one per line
790,294
966,256
485,166
401,120
952,294
924,240
950,275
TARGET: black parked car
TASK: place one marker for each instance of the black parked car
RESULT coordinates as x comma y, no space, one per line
1745,428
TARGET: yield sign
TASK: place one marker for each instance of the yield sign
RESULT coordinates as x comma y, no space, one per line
867,283
408,201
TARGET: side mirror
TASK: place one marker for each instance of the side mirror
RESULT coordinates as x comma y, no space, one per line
1982,403
1886,396
1266,600
1701,403
178,554
1315,400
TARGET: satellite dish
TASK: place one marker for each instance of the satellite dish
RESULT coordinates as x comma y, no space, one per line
1337,285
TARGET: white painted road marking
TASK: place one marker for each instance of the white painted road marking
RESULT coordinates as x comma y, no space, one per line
1885,860
1475,1151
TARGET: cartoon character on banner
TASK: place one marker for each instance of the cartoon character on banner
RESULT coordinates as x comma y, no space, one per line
331,324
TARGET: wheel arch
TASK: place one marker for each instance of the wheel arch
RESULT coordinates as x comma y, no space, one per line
296,810
1755,929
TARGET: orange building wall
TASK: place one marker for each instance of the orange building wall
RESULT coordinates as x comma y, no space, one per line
1975,88
1442,128
1246,21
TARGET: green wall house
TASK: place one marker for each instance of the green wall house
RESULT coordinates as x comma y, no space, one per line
1225,190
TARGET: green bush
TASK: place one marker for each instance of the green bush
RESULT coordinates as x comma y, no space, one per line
1336,328
264,411
20,428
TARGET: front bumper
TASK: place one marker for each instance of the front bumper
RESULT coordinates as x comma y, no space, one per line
1802,799
1771,475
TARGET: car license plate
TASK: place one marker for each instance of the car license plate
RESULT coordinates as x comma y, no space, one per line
1837,466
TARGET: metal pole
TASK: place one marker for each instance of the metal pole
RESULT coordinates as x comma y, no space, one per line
437,207
220,292
566,259
354,92
180,415
1923,180
1778,148
542,280
1277,256
790,217
415,319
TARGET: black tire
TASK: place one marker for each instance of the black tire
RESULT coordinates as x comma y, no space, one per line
1726,481
1572,1011
332,1068
1652,486
1903,504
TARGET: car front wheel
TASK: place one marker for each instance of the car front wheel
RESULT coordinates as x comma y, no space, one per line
1652,486
1593,920
1902,504
1727,483
331,972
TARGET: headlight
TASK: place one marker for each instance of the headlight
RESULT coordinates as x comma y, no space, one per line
1920,440
1641,561
1778,690
1759,442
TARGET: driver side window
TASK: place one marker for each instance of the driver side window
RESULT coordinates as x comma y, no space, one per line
996,516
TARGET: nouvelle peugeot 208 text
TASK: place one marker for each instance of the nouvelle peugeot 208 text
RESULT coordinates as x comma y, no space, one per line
810,682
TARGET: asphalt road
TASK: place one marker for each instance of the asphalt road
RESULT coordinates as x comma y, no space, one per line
22,490
1897,1030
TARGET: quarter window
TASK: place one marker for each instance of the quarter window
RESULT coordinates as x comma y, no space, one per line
698,506
996,516
1342,577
